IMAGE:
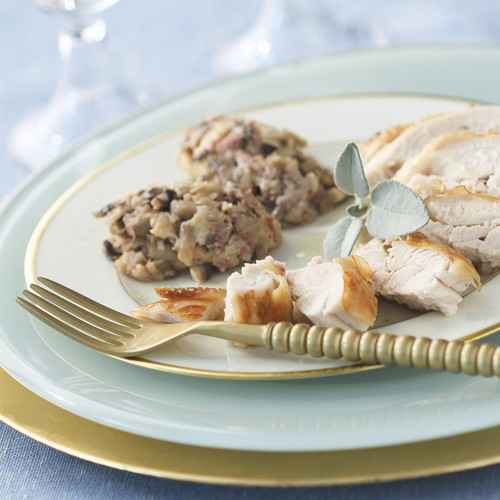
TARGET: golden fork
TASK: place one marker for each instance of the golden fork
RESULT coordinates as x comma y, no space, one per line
111,332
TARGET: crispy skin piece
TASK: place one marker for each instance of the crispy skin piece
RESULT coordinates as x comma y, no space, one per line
358,298
259,294
184,304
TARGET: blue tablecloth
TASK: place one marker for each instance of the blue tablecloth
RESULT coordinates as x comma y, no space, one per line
31,470
168,47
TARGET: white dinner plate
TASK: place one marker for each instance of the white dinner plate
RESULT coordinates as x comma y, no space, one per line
67,244
359,410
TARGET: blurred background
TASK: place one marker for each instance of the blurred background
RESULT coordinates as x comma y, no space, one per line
159,48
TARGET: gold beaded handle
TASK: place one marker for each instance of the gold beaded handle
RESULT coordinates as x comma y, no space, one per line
383,348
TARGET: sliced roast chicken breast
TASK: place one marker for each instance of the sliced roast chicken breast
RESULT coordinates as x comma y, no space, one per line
419,273
334,293
179,304
389,158
259,293
372,145
465,159
468,222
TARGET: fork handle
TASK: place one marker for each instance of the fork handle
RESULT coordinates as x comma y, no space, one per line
383,348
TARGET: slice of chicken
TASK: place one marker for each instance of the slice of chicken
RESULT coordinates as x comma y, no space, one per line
335,293
178,305
369,147
477,119
419,273
456,159
259,294
468,222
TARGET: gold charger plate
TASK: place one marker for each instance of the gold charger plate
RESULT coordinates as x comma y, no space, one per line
94,442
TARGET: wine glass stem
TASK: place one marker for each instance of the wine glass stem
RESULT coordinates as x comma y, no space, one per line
77,51
87,79
91,88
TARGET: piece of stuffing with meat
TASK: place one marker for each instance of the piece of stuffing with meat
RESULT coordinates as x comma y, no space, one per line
272,163
202,226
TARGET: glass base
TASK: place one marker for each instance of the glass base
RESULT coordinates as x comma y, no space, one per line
46,132
291,29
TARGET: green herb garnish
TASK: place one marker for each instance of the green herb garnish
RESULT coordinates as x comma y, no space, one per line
391,209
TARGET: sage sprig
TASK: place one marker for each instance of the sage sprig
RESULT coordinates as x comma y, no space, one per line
391,209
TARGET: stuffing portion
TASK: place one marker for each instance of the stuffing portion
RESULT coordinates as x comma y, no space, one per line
419,273
160,232
292,186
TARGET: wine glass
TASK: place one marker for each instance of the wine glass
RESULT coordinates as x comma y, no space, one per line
89,91
287,29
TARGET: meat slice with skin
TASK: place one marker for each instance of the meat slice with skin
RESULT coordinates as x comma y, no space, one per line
419,273
372,145
259,294
468,222
388,159
334,294
465,159
184,304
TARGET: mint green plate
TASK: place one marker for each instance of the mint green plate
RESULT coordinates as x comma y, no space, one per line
354,411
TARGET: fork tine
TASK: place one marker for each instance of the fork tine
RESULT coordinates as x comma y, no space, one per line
65,329
73,321
80,299
89,316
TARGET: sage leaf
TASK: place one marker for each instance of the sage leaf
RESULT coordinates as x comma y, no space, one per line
341,237
349,174
357,209
396,210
